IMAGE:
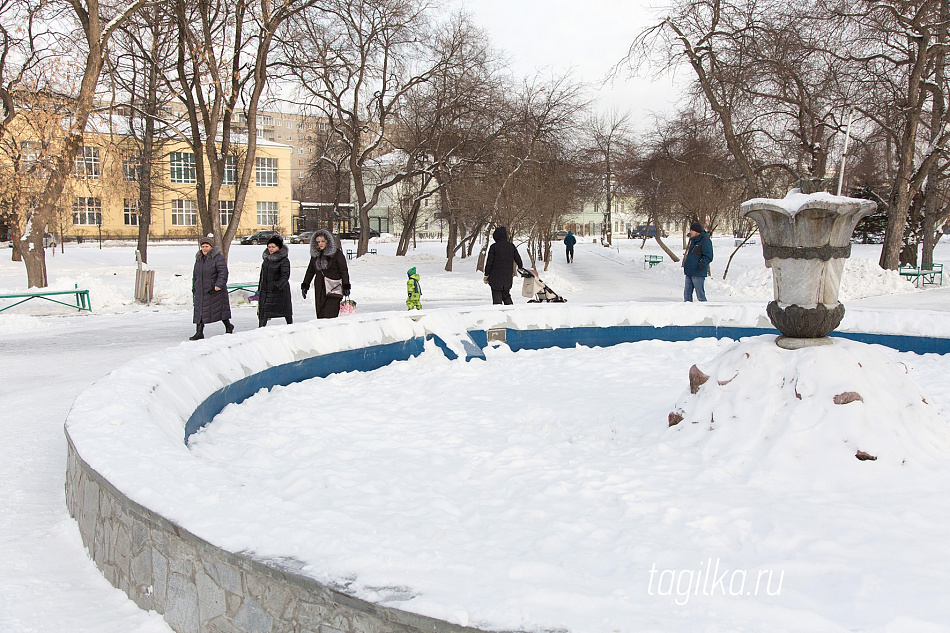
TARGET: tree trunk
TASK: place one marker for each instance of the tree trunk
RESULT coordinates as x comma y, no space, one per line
34,257
450,247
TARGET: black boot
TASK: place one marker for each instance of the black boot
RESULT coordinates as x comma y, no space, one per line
199,333
228,327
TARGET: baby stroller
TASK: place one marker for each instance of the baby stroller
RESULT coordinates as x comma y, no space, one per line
532,286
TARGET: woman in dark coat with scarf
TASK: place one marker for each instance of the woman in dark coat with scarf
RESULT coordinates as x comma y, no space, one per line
273,288
499,266
209,289
326,262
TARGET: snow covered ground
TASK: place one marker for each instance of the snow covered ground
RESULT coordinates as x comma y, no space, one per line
50,354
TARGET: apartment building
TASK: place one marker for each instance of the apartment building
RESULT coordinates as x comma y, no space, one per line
104,191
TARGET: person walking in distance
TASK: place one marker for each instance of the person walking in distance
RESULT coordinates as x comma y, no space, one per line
500,266
209,289
699,253
273,287
327,269
569,242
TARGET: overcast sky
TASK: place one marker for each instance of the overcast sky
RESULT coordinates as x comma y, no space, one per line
589,37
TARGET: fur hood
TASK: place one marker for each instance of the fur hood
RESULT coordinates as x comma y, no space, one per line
279,254
214,251
331,248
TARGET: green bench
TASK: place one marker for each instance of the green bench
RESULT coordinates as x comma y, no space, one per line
81,297
249,287
649,261
923,276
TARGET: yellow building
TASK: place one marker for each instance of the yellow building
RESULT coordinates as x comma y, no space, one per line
104,192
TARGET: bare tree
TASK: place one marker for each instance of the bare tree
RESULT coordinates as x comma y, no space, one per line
96,24
543,115
897,59
142,47
222,69
605,138
356,61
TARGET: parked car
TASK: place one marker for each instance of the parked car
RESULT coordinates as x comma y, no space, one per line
301,238
260,237
355,234
559,235
644,230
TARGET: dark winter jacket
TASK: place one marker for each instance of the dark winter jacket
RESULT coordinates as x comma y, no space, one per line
210,270
273,287
329,263
570,240
698,255
502,256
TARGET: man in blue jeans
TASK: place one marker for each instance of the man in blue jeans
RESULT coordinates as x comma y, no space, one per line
696,263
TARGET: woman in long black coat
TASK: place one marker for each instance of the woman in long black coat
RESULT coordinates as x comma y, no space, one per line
209,289
500,266
273,288
326,262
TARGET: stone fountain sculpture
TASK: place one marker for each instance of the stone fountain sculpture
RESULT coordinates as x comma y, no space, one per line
806,239
796,400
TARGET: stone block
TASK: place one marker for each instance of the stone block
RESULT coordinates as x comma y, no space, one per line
252,618
211,597
181,604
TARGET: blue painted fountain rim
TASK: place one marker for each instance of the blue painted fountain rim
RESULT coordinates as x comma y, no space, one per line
376,356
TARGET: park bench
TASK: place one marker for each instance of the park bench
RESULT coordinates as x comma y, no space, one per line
350,253
649,261
923,276
249,287
740,241
81,298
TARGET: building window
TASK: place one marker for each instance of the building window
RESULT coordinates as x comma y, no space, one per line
299,174
300,150
264,119
87,211
290,137
267,214
266,172
280,123
280,136
87,163
182,165
230,171
132,165
30,153
130,211
226,210
184,213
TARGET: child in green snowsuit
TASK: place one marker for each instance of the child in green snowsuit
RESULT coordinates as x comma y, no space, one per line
414,300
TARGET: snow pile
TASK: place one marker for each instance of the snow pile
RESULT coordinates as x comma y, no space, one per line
861,278
104,292
10,322
779,413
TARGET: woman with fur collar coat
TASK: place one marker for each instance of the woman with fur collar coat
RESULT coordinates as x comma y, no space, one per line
273,288
326,262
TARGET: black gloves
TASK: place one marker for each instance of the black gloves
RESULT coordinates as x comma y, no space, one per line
346,290
303,290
